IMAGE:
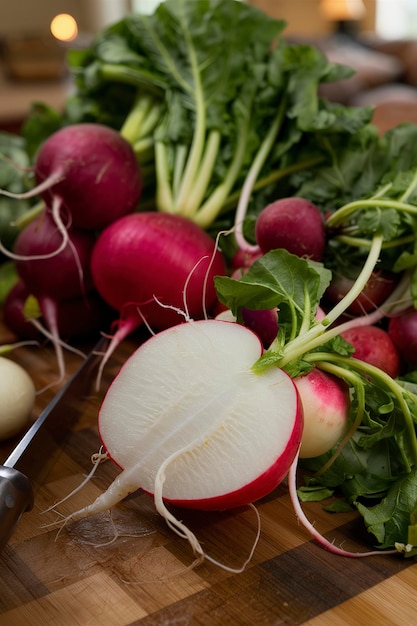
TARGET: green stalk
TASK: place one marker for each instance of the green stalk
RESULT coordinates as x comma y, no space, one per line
384,380
322,360
210,209
132,126
164,197
345,211
29,215
359,242
203,176
318,334
141,78
179,164
197,145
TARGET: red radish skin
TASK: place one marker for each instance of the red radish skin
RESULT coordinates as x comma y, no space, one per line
374,345
377,289
155,267
192,424
62,275
294,224
402,330
77,318
325,401
93,172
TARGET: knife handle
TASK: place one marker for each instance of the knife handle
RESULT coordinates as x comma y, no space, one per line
16,497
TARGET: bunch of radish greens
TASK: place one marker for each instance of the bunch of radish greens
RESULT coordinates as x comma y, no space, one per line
203,90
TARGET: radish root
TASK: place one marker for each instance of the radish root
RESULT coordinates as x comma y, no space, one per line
321,540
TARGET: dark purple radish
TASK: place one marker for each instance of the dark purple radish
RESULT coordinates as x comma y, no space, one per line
155,267
88,175
380,285
61,275
402,330
94,173
294,224
263,322
54,270
77,318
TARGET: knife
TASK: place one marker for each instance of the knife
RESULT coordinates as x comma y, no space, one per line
27,465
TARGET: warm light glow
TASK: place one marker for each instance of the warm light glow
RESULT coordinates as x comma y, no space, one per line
64,27
342,10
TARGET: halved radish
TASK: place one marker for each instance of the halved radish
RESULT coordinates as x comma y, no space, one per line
190,422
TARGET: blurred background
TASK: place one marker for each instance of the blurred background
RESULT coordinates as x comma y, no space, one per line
34,38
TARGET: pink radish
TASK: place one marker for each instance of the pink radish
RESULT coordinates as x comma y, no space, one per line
155,267
190,422
325,401
374,345
294,224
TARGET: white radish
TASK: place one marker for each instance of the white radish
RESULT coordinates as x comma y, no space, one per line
17,397
190,422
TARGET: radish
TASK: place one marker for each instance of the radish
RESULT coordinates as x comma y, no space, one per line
59,275
374,345
190,422
294,224
88,176
53,272
17,397
402,330
155,267
76,317
377,289
325,401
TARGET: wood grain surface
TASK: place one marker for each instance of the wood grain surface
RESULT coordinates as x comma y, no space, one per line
129,568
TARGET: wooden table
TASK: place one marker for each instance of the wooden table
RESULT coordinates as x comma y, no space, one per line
145,577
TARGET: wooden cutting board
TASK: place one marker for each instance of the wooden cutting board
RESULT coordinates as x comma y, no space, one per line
87,576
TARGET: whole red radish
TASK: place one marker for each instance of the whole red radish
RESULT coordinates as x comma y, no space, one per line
158,262
294,224
402,329
325,402
375,346
376,291
156,268
60,275
92,171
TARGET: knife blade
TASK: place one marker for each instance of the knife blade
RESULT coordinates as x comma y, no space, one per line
27,465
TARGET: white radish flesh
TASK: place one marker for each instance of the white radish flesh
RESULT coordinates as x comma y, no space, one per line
188,395
192,424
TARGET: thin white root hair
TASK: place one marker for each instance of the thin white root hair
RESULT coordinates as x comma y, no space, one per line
35,191
173,308
321,540
96,459
37,257
145,321
182,530
186,284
